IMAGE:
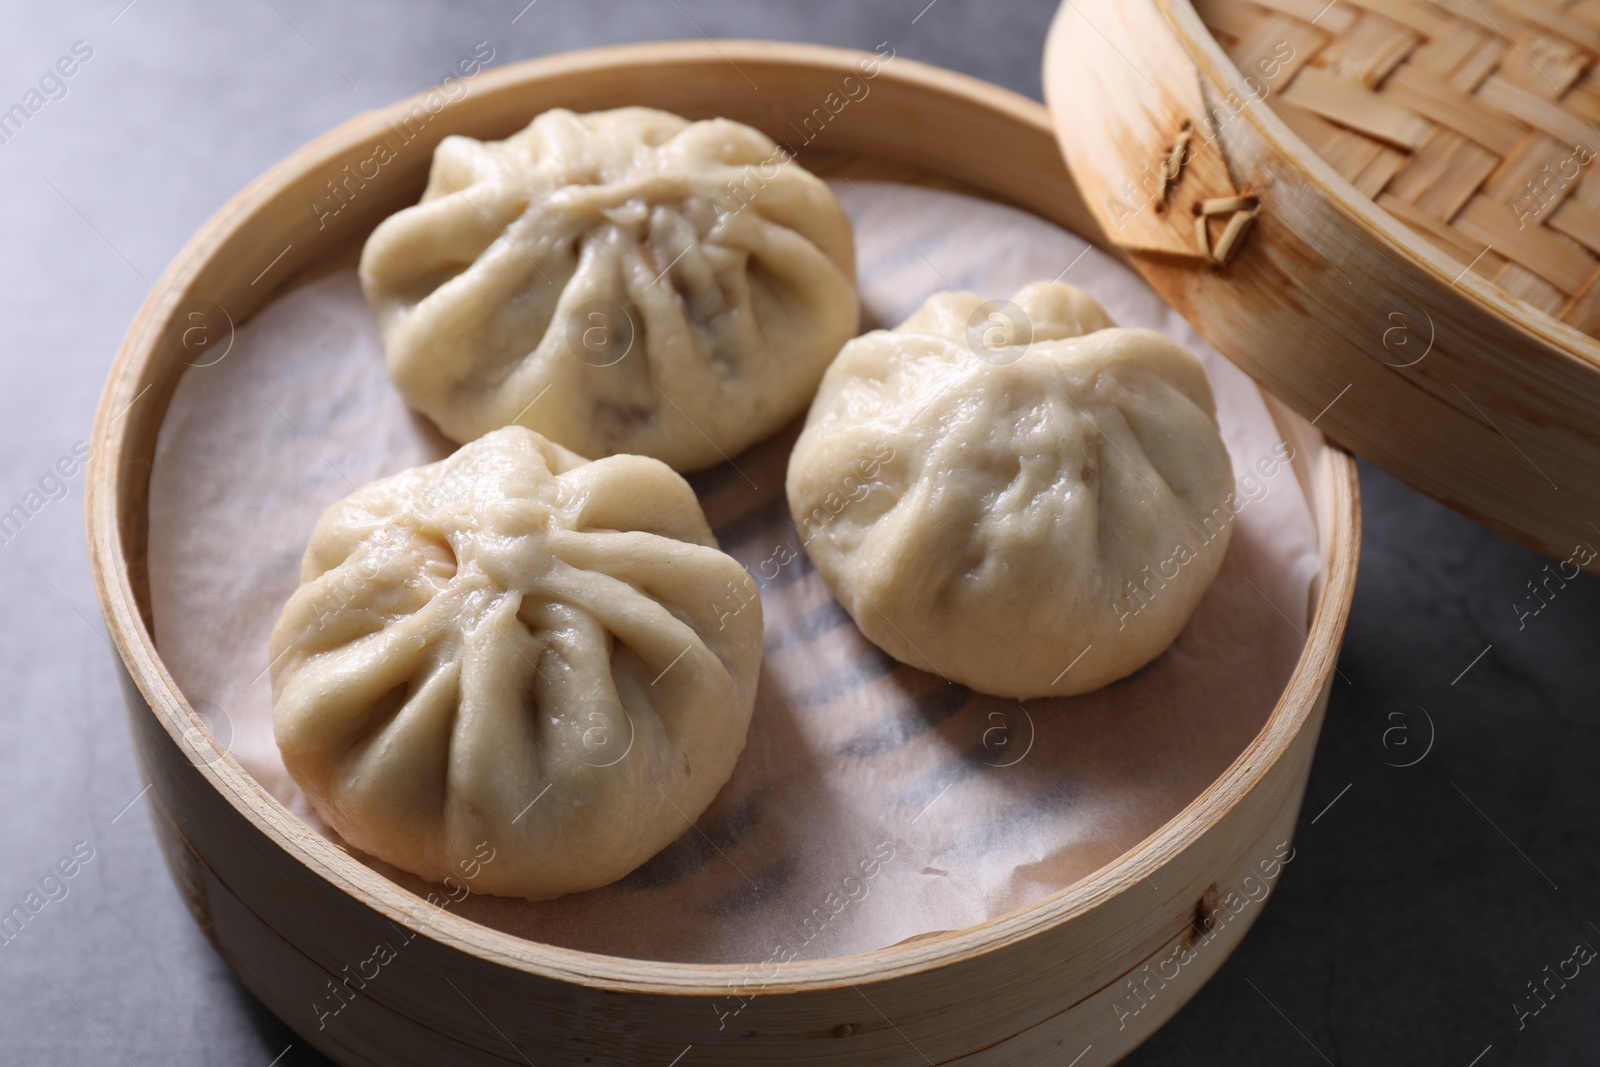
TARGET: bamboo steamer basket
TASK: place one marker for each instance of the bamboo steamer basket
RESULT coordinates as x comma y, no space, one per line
292,913
1442,330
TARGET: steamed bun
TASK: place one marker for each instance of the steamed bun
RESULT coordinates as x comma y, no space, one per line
1000,493
520,647
622,281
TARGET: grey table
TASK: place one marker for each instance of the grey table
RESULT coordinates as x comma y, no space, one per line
1423,900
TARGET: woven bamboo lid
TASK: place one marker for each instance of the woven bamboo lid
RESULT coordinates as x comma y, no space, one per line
1387,211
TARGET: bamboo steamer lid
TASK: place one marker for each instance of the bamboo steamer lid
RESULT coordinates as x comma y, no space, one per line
1386,211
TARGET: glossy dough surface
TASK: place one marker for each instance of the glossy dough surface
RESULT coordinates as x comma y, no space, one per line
621,281
998,520
516,626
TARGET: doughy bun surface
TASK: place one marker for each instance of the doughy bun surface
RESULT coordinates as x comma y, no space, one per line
989,507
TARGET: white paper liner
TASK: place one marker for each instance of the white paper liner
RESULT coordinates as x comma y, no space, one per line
873,803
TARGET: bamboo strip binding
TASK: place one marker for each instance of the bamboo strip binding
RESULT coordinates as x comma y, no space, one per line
1473,122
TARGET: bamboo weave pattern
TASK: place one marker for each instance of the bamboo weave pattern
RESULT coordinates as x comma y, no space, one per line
1474,122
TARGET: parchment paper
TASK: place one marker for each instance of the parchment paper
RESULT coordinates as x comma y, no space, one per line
873,803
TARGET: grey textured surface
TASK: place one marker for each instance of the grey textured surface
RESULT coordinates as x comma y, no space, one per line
1419,905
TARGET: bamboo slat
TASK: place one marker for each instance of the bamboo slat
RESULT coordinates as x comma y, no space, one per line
1481,117
1421,162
